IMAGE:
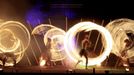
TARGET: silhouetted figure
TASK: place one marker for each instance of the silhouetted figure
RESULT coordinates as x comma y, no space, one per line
4,57
86,44
48,52
128,45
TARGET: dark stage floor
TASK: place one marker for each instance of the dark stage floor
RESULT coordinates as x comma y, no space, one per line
61,69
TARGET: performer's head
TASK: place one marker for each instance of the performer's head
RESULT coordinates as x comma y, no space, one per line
86,36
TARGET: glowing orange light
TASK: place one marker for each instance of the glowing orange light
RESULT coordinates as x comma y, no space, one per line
15,39
42,61
125,64
71,48
98,65
127,69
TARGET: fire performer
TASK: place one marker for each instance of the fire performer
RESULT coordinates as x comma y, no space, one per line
128,45
48,52
4,57
86,44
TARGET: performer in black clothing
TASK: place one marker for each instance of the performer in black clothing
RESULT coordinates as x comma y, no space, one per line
4,57
86,44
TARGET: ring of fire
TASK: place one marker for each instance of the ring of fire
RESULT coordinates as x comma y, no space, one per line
70,47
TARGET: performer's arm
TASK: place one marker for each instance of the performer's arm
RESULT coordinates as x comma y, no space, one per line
82,44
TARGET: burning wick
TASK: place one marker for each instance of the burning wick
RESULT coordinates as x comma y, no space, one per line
42,61
127,69
125,65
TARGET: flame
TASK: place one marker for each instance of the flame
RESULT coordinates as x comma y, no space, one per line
71,48
99,64
127,69
1,69
42,61
10,64
125,65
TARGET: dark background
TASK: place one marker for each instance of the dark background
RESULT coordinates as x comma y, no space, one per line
91,9
39,11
